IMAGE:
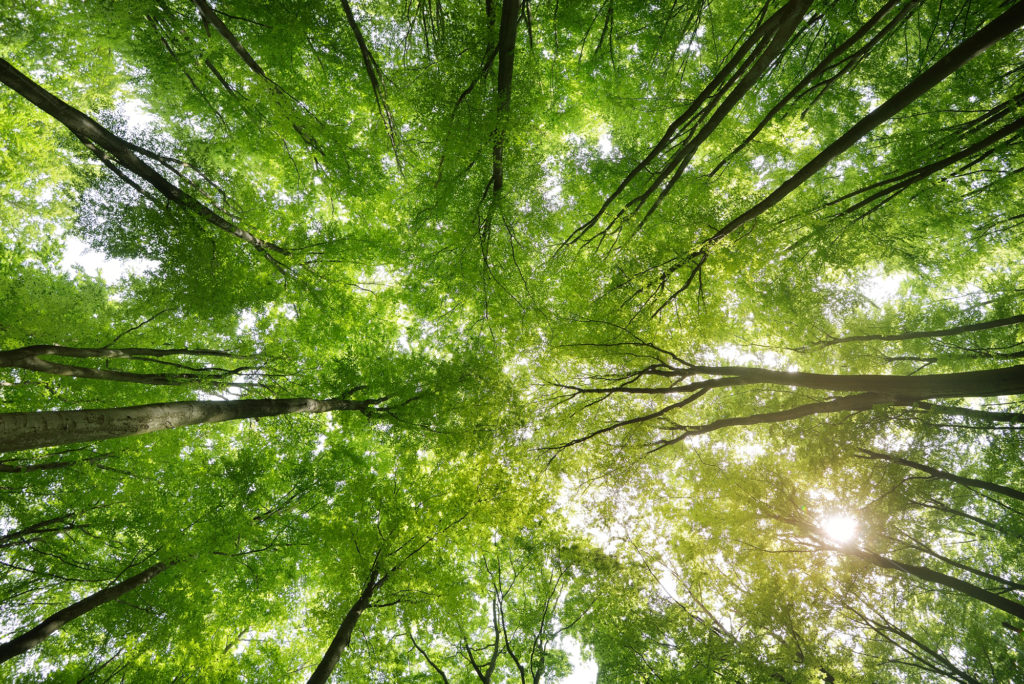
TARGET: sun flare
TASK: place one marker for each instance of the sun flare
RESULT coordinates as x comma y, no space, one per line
839,527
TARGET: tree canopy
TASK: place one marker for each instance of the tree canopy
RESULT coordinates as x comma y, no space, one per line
674,341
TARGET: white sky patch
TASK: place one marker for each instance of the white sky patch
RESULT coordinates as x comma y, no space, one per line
687,46
733,354
137,116
882,287
77,253
584,670
604,144
553,192
246,322
749,452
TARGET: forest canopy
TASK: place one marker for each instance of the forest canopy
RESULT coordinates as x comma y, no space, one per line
506,341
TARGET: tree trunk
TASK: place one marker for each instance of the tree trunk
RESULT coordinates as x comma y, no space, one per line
30,358
210,15
32,430
38,528
929,575
107,143
984,383
44,629
936,472
506,51
344,636
372,70
924,548
831,61
919,334
13,465
755,43
870,391
1000,27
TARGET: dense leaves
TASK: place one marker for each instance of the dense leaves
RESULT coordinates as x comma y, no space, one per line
512,341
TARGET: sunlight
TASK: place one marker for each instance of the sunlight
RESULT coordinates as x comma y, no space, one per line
839,527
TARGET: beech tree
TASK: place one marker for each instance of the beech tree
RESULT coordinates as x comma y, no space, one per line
509,342
54,428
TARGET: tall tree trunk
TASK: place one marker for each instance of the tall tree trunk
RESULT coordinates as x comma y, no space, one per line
924,548
747,64
107,145
44,629
210,16
32,430
936,472
39,527
344,636
919,334
1000,27
16,465
922,655
901,388
984,383
929,575
506,51
373,71
870,391
31,358
838,60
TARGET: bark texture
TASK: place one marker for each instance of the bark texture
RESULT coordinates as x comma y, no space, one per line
33,430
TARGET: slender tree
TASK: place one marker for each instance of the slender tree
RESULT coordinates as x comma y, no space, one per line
31,358
117,153
343,638
678,377
37,634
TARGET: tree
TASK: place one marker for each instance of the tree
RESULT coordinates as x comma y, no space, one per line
694,330
34,430
112,150
30,358
867,392
35,636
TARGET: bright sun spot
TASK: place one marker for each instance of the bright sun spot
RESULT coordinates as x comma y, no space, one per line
839,527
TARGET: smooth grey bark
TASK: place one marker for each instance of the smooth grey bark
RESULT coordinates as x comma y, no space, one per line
871,391
928,575
35,636
903,388
33,430
920,334
984,383
924,548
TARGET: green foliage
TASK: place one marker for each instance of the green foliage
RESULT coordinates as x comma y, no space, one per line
544,485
